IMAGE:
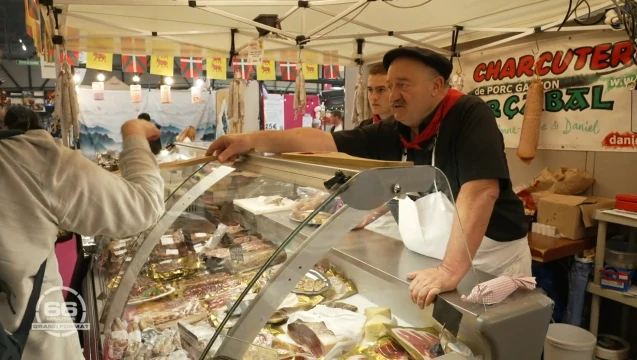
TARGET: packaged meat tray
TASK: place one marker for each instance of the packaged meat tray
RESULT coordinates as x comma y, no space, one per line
245,247
384,349
255,260
203,291
166,313
422,344
174,269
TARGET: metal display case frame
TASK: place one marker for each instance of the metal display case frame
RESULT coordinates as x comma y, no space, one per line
514,328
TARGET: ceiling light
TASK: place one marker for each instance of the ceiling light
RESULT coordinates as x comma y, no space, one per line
136,78
101,77
199,82
168,80
76,78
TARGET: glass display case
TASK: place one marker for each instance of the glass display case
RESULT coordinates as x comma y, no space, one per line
265,259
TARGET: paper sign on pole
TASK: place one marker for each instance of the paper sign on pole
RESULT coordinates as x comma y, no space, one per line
255,52
98,90
165,94
136,93
48,69
195,94
273,111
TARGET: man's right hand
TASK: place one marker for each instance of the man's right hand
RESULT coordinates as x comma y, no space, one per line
229,147
140,127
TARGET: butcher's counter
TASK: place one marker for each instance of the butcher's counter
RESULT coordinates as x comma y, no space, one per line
233,248
379,265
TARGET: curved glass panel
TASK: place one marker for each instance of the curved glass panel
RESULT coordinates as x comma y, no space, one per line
343,280
114,255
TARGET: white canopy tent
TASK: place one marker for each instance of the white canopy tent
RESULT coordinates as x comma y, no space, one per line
327,29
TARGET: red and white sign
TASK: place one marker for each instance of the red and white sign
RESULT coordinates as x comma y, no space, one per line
587,81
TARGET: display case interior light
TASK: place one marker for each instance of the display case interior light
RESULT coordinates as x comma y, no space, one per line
136,78
168,80
101,77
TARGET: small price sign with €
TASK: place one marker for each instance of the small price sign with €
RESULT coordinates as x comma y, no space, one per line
272,126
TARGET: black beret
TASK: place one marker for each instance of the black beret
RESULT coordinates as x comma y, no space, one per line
438,62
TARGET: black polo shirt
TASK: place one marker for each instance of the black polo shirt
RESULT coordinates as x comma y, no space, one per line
470,147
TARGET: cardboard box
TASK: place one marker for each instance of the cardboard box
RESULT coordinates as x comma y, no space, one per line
572,216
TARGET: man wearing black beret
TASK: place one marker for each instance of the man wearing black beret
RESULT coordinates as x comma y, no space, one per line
435,125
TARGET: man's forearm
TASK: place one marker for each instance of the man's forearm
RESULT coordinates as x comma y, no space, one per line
295,140
474,206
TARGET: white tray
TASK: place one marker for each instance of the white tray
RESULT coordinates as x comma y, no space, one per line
258,206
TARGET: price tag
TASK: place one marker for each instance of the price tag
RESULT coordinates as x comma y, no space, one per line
129,259
167,240
172,252
201,235
120,252
166,261
119,244
236,252
255,52
198,248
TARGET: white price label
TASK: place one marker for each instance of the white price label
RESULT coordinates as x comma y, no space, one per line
119,244
167,240
172,252
201,234
166,261
120,252
198,248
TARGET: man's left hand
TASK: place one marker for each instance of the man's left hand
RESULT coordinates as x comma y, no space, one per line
427,284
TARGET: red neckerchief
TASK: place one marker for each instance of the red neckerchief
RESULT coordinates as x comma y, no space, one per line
375,118
432,128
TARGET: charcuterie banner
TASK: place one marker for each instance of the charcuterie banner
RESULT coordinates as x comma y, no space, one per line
588,86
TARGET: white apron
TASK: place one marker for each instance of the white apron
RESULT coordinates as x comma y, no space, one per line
425,227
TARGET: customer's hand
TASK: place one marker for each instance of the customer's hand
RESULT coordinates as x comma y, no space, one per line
140,127
229,147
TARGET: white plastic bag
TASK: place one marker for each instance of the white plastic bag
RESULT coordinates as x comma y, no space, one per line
425,225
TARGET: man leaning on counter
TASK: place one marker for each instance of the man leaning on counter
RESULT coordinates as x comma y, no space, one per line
431,121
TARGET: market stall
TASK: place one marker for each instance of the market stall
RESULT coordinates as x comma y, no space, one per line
581,86
236,269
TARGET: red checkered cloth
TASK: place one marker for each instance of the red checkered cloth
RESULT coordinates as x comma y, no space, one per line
498,289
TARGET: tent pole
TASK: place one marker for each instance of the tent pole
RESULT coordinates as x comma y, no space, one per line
499,42
580,28
338,17
380,33
289,13
421,44
303,21
533,31
247,22
200,3
500,30
176,33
